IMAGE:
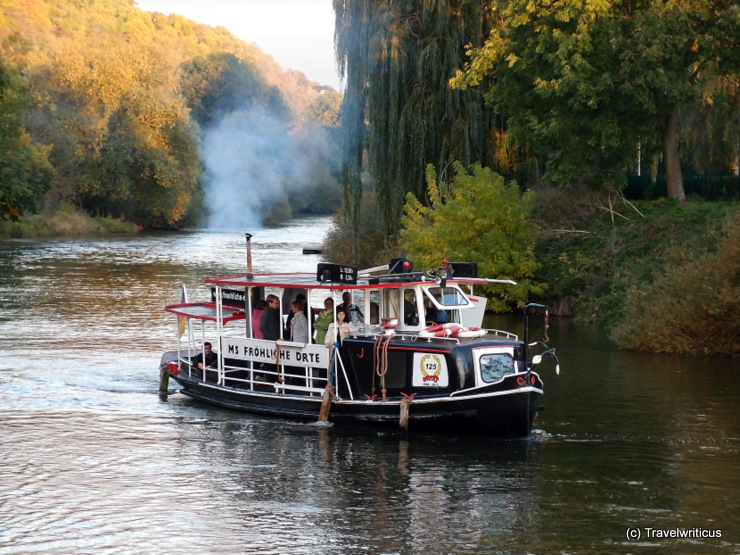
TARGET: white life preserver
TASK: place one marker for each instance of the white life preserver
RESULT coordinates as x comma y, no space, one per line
441,330
468,333
452,330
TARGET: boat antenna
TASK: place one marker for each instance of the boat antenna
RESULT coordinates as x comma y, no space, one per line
249,255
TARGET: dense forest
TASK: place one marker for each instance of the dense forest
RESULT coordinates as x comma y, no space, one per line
111,109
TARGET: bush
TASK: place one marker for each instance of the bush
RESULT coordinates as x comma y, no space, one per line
475,218
692,306
64,221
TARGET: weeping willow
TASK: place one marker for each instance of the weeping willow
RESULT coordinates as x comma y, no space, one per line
399,113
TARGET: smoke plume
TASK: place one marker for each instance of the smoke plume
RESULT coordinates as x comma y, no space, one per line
252,162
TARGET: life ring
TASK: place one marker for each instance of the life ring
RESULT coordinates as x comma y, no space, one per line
468,333
452,330
441,330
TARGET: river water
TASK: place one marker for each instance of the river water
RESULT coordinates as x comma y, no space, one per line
93,461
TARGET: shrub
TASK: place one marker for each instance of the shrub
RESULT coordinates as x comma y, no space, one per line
692,305
475,218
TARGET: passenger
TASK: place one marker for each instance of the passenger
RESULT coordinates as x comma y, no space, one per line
434,315
298,324
300,298
353,311
340,329
270,328
270,319
324,318
411,317
256,315
211,358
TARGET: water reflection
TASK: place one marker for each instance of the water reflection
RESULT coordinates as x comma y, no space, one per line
94,461
332,491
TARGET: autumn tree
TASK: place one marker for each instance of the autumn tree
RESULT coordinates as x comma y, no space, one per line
476,217
220,83
582,80
25,172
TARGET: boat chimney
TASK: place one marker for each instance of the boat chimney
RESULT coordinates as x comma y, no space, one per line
249,255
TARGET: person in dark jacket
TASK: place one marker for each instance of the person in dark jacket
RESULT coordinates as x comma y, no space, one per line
211,358
270,319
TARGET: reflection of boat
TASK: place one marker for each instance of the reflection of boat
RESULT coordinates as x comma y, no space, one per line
419,358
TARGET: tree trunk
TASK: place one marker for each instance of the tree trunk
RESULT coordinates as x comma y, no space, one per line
668,121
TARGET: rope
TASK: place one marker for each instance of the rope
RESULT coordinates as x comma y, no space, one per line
376,362
381,362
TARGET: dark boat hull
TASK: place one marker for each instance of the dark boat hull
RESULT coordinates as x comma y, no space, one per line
501,414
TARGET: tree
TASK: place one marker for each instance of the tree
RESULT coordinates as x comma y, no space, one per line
475,218
399,113
579,79
220,83
25,172
325,109
148,166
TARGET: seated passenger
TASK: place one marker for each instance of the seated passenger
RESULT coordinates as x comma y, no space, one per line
211,358
434,315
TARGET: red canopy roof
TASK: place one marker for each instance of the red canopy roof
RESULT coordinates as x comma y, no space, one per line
205,311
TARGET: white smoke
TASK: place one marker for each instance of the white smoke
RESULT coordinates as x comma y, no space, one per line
251,163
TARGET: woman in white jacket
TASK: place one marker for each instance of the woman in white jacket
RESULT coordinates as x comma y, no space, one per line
340,329
298,324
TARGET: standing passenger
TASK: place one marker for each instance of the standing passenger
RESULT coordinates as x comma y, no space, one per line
270,319
353,311
339,330
323,320
256,316
299,324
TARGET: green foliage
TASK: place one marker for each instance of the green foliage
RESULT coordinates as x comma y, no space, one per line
65,220
25,171
219,83
692,306
399,114
582,81
325,110
475,218
595,250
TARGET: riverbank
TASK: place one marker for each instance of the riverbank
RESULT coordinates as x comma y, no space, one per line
64,222
661,276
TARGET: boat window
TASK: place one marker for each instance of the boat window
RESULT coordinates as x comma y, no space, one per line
446,297
494,366
410,312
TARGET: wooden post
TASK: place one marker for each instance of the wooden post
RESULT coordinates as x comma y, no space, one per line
164,378
165,371
325,404
403,420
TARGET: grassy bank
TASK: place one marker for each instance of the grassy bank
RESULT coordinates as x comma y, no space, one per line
63,222
660,275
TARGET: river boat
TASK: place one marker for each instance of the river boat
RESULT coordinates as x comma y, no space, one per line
418,358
